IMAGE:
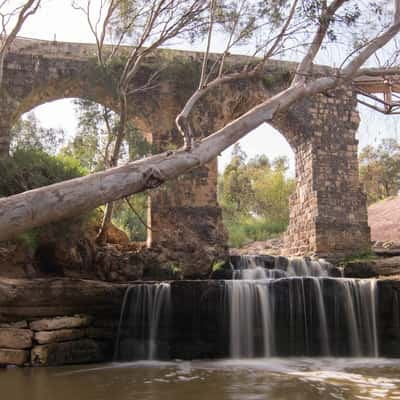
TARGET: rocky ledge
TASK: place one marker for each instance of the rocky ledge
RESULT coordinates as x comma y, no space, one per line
72,321
372,268
58,321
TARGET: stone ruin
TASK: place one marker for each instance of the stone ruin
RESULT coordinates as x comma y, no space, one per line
328,214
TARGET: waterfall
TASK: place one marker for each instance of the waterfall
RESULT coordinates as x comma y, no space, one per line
300,311
144,322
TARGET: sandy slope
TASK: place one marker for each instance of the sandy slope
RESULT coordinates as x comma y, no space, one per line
384,219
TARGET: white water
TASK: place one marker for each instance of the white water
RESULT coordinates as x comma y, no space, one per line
295,308
144,308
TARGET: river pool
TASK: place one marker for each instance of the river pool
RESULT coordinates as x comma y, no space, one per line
274,379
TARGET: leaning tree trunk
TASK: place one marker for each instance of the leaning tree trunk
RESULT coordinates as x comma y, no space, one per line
41,206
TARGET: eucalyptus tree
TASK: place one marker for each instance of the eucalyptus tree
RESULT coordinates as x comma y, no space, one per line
13,14
145,25
304,28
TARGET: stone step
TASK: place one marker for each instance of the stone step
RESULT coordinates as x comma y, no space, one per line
13,357
50,324
12,338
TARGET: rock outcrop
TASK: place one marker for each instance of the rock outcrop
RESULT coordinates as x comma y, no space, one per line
373,268
43,322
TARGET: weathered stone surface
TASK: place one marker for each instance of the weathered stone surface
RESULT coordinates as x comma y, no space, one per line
101,333
75,352
115,264
62,335
373,268
16,260
387,252
13,357
388,314
76,321
17,324
41,298
13,338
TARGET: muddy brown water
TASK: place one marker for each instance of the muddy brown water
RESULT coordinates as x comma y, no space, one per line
266,379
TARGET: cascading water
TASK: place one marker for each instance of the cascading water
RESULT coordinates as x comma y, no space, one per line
144,322
292,311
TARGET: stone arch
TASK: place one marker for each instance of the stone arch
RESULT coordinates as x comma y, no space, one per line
328,213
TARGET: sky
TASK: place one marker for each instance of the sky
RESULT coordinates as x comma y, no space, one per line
58,20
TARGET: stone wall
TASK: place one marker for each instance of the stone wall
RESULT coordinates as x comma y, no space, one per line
62,340
50,327
58,321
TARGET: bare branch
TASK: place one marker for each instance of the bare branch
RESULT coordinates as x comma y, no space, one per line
325,21
352,68
22,13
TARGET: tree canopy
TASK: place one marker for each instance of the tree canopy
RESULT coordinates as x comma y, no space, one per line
254,196
380,170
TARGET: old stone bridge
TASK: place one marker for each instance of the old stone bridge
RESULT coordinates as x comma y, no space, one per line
328,209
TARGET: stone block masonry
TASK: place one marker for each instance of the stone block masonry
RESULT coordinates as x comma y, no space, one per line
328,214
56,341
58,321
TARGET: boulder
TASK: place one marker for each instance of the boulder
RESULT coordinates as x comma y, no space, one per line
12,338
17,260
77,321
67,248
75,352
372,268
62,335
359,269
13,357
116,265
116,235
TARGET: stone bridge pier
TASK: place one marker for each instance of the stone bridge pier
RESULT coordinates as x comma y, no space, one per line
328,214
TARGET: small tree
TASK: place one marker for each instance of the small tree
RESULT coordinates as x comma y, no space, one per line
380,170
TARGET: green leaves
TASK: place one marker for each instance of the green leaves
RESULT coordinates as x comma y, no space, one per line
380,170
31,168
254,196
28,134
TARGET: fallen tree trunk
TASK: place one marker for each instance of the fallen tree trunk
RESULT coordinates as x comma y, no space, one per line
52,203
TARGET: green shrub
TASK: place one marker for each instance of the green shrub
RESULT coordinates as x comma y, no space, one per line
31,168
28,169
125,219
218,265
250,229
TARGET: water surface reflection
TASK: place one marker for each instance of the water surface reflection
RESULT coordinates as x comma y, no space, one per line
272,379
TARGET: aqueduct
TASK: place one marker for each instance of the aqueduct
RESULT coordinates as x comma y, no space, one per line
328,212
